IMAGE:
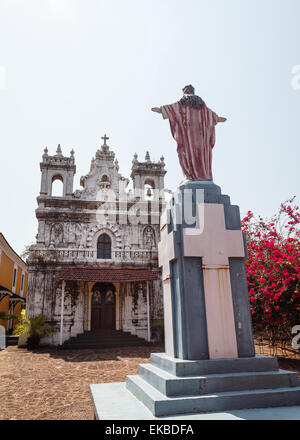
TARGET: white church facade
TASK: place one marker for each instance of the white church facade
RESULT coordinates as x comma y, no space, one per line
94,266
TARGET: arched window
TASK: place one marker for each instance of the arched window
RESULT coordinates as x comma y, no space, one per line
148,192
57,186
104,247
148,189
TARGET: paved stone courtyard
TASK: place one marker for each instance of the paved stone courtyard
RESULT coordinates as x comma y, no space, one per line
51,384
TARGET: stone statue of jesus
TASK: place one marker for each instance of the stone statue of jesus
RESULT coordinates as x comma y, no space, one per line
193,127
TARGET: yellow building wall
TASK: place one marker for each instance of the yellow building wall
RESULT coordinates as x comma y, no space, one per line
4,307
6,280
18,281
6,271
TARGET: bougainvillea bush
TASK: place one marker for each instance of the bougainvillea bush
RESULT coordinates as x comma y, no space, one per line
273,271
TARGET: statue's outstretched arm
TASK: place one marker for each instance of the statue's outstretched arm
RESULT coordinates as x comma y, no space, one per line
218,118
162,111
156,109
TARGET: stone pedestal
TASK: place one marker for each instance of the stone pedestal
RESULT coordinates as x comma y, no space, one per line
210,363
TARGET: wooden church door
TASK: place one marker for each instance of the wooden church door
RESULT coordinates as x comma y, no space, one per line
103,307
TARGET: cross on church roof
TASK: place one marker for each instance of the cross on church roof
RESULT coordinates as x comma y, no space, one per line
105,138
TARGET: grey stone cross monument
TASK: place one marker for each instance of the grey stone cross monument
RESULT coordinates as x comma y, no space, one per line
209,362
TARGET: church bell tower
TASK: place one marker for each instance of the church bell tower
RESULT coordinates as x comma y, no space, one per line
57,167
148,174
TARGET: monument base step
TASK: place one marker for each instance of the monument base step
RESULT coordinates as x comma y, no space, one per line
161,405
112,401
180,367
169,386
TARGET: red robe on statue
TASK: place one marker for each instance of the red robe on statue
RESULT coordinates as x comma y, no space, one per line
194,131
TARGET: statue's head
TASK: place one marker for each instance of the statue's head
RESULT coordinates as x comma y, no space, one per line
188,90
189,98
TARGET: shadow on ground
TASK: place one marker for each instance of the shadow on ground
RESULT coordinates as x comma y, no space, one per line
289,364
92,355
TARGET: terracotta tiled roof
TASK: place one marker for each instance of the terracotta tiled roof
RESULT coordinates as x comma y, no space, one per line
106,274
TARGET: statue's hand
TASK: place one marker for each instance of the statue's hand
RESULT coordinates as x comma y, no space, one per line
221,119
156,109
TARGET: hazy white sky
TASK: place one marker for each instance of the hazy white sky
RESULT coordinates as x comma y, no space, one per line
72,70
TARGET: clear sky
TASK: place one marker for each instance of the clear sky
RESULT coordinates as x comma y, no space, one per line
72,70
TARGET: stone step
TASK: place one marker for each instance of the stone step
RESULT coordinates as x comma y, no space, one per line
105,332
119,338
171,385
104,339
81,346
106,344
75,341
11,340
161,405
180,367
111,339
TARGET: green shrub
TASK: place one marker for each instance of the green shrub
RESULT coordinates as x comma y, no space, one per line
35,327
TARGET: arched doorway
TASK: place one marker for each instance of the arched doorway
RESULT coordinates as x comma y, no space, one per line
103,307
